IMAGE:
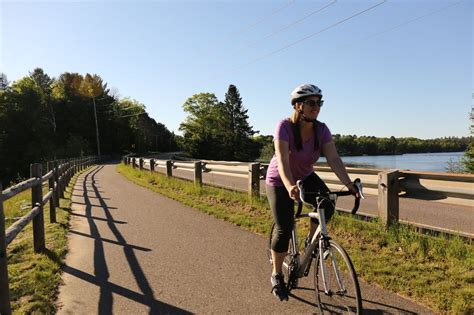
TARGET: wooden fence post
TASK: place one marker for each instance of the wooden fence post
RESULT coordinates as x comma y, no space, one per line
140,163
52,207
169,168
61,179
198,173
388,203
133,162
152,165
254,180
37,200
56,179
5,307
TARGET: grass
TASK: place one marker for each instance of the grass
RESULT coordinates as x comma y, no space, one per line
34,278
435,271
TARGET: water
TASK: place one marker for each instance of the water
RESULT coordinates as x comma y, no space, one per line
424,162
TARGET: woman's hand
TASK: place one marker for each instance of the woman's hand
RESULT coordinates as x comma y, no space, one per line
294,192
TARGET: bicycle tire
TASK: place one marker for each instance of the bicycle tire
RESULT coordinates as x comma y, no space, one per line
345,300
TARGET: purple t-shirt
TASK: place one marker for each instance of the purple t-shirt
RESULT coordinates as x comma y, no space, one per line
301,162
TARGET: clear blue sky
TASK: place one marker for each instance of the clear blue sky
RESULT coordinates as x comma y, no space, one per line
413,80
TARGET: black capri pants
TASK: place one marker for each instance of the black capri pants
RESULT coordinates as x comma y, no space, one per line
283,209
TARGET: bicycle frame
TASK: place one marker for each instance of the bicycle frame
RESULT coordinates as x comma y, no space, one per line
303,263
319,241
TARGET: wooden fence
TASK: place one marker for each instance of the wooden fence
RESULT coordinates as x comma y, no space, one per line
58,176
386,184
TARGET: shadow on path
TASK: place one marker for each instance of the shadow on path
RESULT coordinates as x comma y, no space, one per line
371,311
101,271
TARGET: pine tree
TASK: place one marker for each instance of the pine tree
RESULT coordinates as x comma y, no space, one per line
238,132
3,81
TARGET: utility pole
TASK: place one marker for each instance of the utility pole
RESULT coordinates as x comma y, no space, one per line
96,128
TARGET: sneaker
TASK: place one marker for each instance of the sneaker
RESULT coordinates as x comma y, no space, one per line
278,286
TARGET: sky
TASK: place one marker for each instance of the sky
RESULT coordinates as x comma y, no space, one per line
400,68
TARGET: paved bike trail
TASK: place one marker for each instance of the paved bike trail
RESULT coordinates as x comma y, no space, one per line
133,251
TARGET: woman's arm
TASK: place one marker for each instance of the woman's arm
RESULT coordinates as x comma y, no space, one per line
330,152
282,153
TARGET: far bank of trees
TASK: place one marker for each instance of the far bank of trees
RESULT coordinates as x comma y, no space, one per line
44,118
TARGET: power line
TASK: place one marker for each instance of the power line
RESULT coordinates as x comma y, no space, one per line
288,26
252,25
313,34
407,22
132,115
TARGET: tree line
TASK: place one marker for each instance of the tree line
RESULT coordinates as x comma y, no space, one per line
44,118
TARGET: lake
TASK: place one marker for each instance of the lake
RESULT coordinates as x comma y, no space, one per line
425,162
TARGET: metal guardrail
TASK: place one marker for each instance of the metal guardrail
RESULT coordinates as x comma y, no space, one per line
387,184
57,178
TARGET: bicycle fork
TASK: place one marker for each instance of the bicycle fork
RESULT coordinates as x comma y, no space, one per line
325,250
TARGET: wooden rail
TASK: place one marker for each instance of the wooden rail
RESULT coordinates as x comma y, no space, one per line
388,185
58,177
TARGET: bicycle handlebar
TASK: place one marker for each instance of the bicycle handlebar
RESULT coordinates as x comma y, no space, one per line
332,196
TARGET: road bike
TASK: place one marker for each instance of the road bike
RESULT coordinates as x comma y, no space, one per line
335,280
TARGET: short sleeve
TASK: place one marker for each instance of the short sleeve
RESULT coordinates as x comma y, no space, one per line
326,135
282,131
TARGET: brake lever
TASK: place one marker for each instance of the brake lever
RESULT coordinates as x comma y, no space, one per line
358,184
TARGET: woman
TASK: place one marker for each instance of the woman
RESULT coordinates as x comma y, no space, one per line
299,141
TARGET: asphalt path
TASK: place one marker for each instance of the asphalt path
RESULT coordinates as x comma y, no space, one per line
431,213
133,251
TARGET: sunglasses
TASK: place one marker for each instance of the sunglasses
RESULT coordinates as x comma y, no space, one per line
313,103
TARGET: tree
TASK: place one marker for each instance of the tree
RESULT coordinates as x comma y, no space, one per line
92,87
201,132
468,160
3,81
237,131
44,83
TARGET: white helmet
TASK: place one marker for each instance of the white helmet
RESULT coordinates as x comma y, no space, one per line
304,90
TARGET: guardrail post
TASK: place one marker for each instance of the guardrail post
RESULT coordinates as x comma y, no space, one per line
388,203
198,173
254,180
133,162
169,168
37,199
140,163
152,165
5,307
52,200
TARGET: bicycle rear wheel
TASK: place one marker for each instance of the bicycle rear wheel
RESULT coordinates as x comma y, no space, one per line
344,291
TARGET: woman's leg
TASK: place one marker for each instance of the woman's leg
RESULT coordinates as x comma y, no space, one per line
283,214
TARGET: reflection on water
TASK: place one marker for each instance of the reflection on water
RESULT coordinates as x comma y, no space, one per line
426,162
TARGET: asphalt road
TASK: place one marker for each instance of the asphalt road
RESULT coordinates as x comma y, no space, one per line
133,251
426,212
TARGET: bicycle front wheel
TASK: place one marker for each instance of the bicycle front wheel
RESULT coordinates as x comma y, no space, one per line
343,292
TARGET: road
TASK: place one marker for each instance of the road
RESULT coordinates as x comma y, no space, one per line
426,212
133,251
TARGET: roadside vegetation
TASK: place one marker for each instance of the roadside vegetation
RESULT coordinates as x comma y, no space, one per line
34,278
435,271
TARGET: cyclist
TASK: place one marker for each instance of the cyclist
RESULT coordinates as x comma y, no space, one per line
299,141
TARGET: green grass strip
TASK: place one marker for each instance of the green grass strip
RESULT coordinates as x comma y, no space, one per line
435,271
34,279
